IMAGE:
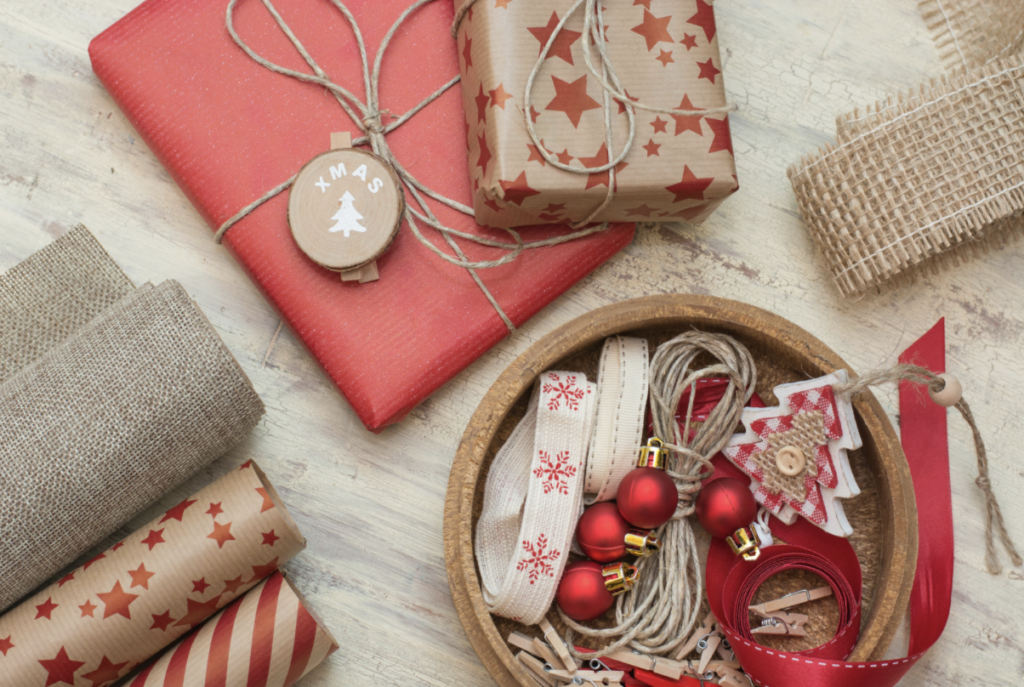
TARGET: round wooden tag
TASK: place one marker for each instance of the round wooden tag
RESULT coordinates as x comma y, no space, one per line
345,208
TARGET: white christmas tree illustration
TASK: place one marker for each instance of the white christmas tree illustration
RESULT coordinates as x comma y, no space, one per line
347,216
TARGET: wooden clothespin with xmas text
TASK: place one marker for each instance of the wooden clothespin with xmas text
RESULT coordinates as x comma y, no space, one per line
345,208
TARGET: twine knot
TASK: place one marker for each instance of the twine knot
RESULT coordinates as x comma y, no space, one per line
983,483
372,124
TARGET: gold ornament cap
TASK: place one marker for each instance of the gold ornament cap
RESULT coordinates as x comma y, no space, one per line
745,542
619,577
642,543
653,455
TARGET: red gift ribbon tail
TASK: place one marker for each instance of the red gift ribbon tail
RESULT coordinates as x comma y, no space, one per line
923,433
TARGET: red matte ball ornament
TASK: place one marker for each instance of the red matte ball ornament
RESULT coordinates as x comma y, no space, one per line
605,536
726,509
647,496
588,589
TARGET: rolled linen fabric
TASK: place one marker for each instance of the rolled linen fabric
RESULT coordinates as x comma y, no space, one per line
109,398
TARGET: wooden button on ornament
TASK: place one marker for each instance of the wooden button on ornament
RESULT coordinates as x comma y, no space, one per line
790,461
345,208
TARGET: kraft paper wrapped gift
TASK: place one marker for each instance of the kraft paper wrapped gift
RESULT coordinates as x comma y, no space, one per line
664,53
229,130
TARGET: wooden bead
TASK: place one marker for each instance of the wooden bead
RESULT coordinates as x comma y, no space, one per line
951,394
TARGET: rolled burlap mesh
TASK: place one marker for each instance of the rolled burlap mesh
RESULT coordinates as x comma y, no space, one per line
970,33
931,175
110,397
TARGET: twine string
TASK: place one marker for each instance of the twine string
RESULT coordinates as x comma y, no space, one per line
368,118
922,376
662,609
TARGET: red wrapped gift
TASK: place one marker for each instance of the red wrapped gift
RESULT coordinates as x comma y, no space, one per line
229,130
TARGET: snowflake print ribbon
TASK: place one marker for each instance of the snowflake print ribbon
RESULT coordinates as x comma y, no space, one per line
555,473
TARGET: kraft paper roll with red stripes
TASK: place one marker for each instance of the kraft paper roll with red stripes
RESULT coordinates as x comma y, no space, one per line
107,617
265,639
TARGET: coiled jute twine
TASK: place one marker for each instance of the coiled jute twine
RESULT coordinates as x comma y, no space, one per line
660,612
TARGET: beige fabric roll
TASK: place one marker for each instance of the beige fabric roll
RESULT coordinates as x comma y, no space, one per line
109,398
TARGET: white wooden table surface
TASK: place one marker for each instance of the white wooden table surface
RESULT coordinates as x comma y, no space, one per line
371,505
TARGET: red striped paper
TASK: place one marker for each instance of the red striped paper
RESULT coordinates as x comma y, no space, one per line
265,639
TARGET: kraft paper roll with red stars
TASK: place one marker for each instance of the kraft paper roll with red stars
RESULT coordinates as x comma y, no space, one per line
100,621
265,639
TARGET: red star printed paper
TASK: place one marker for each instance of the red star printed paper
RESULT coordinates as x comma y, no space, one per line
665,55
129,602
795,453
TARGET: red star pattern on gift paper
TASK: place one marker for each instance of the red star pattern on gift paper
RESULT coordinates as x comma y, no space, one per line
88,608
572,99
554,473
107,671
600,178
690,213
641,210
481,101
502,4
162,621
467,53
564,157
269,538
517,190
652,148
117,601
687,122
547,217
689,41
492,204
538,560
659,125
116,546
268,502
665,57
485,154
622,105
140,576
691,187
215,509
93,560
177,512
221,534
61,668
708,70
261,571
654,29
552,207
198,611
704,18
562,47
44,609
232,586
246,464
723,139
645,3
153,538
200,586
67,578
535,154
534,114
6,645
499,96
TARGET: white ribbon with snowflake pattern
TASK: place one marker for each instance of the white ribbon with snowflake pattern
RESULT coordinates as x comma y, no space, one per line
533,497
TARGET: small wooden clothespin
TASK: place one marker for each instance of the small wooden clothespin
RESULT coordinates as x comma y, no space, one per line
655,664
534,646
707,645
706,627
536,669
602,678
782,623
558,645
732,677
789,600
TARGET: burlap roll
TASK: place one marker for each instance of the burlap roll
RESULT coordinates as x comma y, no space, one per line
932,173
970,33
110,397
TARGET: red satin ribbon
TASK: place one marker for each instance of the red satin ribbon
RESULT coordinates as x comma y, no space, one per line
731,580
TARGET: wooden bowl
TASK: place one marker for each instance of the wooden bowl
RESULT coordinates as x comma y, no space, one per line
884,513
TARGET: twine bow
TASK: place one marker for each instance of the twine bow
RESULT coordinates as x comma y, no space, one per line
593,26
368,118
